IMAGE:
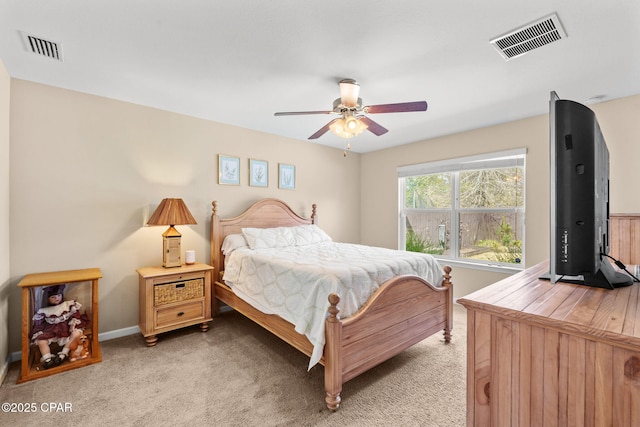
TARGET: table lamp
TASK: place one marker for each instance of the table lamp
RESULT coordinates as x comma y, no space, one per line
171,212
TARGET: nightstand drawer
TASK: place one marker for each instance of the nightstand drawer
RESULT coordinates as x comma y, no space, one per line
182,313
178,291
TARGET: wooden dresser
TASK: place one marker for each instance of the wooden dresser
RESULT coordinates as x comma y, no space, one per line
543,354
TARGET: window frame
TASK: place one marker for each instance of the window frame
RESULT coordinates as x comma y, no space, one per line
501,159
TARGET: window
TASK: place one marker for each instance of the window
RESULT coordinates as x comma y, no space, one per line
468,209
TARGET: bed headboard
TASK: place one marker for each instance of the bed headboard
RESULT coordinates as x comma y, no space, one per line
265,213
625,238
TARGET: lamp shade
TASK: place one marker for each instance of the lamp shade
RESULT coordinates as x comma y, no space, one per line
171,212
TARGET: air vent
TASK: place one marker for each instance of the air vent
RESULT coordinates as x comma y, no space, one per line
42,47
532,36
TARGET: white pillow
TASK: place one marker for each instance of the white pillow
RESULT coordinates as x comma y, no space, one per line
282,237
309,234
233,242
261,238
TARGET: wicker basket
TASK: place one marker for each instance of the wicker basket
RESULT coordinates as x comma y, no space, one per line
178,291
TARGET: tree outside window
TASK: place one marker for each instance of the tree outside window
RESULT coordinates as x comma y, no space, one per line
474,212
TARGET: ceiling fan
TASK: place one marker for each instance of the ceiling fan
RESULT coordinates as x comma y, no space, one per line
352,120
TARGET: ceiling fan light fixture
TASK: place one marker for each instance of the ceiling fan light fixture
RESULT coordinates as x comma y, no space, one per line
351,123
348,127
349,91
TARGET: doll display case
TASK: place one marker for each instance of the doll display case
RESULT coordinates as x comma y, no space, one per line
80,286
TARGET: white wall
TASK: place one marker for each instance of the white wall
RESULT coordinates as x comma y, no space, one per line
86,173
5,283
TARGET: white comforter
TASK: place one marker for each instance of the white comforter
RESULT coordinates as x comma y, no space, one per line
295,282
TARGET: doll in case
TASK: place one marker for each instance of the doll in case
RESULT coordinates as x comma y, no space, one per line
58,321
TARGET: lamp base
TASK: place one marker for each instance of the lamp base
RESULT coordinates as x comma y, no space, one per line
171,248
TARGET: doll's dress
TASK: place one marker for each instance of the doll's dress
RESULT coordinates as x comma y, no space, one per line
56,323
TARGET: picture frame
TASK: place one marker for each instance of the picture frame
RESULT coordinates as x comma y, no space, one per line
258,173
286,176
228,170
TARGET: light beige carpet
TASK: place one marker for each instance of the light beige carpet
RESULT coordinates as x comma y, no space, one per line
238,374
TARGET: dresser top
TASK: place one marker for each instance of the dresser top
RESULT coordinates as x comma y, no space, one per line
609,314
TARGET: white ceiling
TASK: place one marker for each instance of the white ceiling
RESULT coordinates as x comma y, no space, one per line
239,61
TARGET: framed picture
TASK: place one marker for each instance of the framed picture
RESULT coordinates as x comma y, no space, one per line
258,173
228,170
286,176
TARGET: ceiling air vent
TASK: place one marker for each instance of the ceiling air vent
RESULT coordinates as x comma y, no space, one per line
532,36
42,47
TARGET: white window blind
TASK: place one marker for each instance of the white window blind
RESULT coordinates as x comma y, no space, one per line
501,159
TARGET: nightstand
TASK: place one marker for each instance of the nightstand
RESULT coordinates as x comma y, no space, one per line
173,298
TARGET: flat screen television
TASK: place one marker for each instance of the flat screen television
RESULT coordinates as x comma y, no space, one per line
579,198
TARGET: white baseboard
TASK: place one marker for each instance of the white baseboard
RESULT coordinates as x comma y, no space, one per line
5,369
105,336
118,333
14,356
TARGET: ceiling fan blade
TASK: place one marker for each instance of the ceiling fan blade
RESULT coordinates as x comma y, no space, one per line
372,126
301,113
396,108
322,130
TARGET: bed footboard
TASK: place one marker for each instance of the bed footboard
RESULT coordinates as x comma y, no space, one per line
403,311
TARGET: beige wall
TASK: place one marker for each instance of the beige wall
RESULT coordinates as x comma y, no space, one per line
86,171
620,123
379,197
5,84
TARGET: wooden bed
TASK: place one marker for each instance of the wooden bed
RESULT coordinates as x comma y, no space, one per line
403,311
625,237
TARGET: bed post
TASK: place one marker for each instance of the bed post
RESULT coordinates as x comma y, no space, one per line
314,214
447,283
214,238
332,356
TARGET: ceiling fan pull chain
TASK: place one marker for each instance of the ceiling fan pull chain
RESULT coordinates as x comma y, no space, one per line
344,153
